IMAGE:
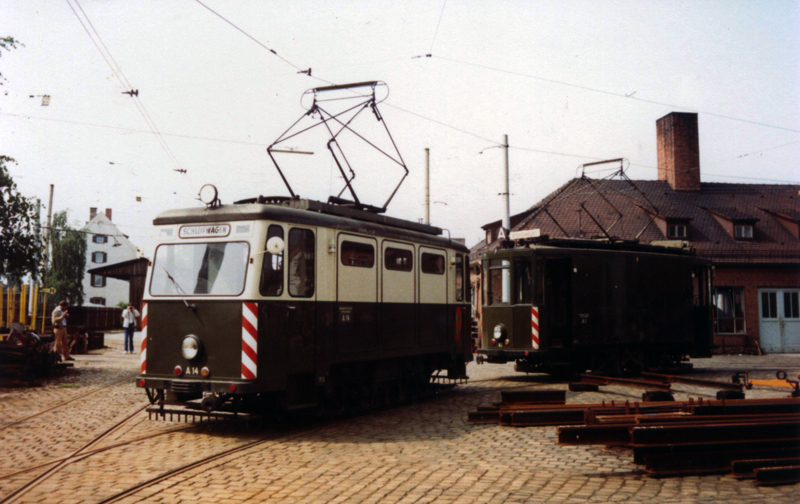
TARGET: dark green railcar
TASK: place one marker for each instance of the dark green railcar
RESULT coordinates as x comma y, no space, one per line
578,305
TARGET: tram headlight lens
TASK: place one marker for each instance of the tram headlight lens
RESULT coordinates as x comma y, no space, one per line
190,347
499,332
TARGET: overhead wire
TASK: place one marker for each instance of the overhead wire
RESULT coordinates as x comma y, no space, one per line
125,83
612,93
435,33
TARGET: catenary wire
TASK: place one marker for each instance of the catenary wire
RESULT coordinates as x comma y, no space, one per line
438,23
613,93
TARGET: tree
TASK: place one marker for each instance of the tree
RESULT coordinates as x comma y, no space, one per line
8,43
20,251
68,264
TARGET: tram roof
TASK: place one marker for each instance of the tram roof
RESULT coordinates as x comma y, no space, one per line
313,213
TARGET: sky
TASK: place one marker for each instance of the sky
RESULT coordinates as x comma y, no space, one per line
568,81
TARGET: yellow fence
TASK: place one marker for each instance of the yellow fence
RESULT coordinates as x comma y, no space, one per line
23,305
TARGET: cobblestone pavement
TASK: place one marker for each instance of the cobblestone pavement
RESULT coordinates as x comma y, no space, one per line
418,453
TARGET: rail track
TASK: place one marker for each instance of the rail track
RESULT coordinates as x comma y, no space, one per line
76,455
64,403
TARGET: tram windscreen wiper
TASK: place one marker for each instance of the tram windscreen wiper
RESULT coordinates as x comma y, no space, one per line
180,290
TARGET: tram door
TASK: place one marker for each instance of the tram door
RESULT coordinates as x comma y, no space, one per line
558,301
432,296
357,294
398,295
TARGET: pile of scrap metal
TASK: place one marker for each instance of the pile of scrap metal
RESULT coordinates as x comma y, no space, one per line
752,438
25,357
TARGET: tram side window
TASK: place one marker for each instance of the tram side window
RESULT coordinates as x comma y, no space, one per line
398,259
301,262
523,281
432,263
272,271
361,255
459,278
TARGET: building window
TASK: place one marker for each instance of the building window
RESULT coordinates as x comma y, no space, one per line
98,281
98,238
729,304
676,231
743,231
98,301
358,254
99,257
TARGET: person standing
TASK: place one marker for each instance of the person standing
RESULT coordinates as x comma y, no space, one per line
129,317
59,319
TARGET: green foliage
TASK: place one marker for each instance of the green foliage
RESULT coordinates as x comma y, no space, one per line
8,43
68,264
20,252
122,304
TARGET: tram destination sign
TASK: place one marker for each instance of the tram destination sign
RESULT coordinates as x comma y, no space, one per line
526,233
213,231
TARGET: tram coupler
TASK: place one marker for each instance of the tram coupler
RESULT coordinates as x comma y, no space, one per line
211,402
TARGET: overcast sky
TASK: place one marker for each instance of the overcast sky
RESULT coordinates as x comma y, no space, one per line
568,81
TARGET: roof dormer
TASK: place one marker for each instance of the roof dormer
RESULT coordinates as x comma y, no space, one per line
789,219
739,225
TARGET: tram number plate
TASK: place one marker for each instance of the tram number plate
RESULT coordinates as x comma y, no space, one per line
204,231
345,313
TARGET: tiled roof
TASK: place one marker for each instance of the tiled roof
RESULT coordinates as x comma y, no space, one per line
628,210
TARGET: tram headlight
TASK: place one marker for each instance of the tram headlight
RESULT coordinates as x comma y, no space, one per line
190,347
499,332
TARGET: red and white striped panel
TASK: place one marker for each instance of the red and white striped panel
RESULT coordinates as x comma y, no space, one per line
535,327
249,341
143,355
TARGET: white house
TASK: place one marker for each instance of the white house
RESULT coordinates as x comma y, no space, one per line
105,244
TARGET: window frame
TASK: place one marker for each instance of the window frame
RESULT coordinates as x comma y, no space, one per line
313,262
743,226
103,255
733,290
443,258
94,283
100,238
356,246
393,267
268,257
192,294
673,227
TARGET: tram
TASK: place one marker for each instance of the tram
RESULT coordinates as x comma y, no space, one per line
283,303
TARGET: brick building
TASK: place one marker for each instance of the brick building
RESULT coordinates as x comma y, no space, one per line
751,232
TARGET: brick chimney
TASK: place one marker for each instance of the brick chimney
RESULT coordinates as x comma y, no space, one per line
92,212
108,213
679,151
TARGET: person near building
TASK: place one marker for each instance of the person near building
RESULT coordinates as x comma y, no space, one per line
59,319
129,317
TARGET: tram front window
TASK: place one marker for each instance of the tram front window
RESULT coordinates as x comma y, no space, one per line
493,281
200,269
523,281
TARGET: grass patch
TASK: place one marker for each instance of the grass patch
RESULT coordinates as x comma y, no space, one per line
68,385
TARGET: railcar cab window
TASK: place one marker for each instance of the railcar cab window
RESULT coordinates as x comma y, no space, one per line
493,281
209,269
272,269
523,281
459,278
301,262
361,255
398,259
432,263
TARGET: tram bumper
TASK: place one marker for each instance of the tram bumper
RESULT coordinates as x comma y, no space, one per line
197,386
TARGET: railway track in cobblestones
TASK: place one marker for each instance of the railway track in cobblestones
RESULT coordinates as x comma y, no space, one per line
76,455
100,450
64,403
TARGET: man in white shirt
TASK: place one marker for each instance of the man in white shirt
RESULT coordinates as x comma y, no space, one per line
129,317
